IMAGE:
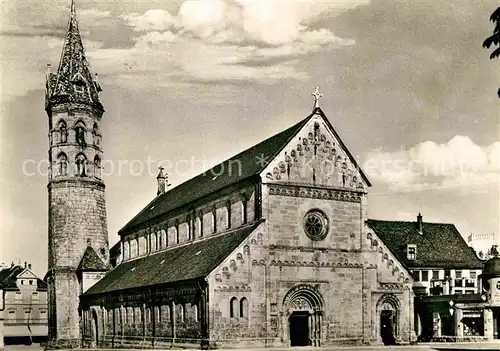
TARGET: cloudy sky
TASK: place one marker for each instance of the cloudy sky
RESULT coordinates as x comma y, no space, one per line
406,84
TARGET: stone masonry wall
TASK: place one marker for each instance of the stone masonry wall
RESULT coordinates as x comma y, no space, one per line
77,215
239,282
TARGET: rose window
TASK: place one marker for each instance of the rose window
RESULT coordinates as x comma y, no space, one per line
316,225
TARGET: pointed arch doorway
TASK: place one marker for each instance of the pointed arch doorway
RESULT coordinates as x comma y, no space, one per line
303,315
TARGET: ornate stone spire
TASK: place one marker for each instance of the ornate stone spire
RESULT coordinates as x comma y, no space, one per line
73,81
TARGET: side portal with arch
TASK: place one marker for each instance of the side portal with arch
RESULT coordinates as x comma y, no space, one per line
388,319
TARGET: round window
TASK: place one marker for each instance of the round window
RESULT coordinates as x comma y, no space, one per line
316,225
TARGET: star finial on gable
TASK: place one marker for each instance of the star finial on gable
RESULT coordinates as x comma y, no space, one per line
316,95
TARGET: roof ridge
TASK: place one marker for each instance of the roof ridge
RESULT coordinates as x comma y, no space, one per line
395,221
250,148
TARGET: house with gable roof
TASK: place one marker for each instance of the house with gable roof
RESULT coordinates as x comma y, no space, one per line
25,304
435,253
446,274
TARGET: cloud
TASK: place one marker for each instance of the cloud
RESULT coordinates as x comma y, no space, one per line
210,41
151,20
22,76
220,40
459,163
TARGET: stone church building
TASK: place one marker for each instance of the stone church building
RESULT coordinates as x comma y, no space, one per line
269,248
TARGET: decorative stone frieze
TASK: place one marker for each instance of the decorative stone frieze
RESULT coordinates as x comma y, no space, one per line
315,193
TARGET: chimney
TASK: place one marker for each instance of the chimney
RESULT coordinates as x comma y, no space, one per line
419,224
29,266
25,264
162,182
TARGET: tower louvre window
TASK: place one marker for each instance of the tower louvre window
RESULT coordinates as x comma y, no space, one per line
62,160
81,165
80,134
63,132
97,167
95,135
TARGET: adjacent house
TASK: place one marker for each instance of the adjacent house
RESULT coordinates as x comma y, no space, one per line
446,274
25,310
435,253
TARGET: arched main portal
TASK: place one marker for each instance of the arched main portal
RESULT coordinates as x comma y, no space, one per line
388,312
302,317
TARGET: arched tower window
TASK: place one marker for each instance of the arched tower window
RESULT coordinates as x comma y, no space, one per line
228,213
81,165
63,132
233,307
62,161
95,135
97,167
244,307
80,133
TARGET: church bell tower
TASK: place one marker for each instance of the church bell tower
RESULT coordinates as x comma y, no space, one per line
78,237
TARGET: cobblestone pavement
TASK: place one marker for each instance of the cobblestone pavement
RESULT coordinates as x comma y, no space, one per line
485,346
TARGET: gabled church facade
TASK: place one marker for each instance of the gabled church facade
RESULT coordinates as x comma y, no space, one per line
269,248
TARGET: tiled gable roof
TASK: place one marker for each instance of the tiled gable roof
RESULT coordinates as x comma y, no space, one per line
41,285
240,167
439,245
8,276
228,173
191,261
91,261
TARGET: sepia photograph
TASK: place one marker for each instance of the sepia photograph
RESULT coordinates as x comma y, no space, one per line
249,175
